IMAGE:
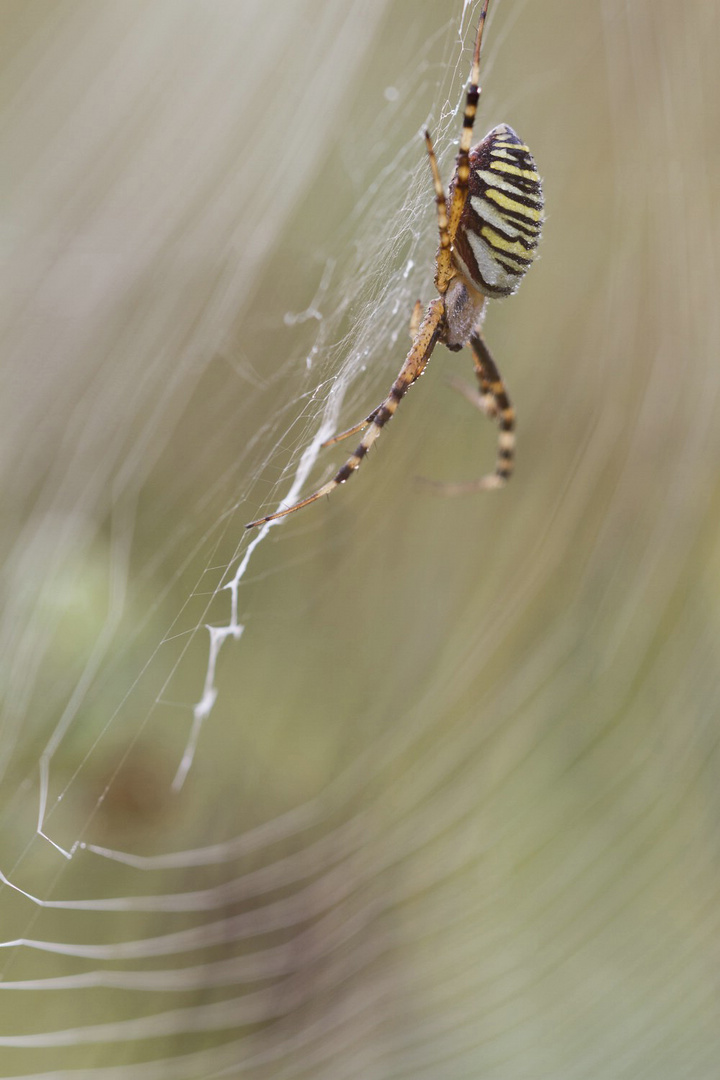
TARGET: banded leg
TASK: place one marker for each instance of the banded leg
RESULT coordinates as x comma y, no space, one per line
411,370
482,399
492,387
441,205
492,400
351,430
459,189
415,320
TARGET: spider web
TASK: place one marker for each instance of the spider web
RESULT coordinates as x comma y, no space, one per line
402,786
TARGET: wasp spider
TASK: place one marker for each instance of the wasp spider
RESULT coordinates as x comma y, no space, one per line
489,227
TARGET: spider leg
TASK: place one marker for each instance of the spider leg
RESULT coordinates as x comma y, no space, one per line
493,400
459,189
440,203
482,399
415,320
415,363
351,430
492,386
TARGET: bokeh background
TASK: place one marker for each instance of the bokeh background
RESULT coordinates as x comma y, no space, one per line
454,810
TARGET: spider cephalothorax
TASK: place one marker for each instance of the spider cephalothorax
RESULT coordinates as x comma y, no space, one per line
489,226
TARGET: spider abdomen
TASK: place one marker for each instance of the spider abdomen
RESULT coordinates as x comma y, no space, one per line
499,230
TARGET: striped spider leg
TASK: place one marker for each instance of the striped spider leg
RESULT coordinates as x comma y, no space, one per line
489,225
491,398
415,363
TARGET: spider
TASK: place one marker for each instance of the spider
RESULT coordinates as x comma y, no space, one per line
489,226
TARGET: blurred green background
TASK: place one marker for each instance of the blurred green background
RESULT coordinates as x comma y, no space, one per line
454,813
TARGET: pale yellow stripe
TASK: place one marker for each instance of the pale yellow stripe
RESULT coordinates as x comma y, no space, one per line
494,181
527,174
510,204
501,243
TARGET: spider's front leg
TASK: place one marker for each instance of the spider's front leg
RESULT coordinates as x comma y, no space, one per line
493,388
481,398
429,332
415,320
493,400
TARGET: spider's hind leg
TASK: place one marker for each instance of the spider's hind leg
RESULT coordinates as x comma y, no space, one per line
452,210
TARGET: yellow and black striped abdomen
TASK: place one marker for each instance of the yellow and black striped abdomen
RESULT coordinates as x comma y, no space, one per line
499,230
